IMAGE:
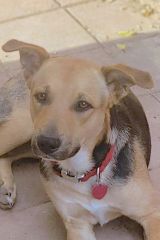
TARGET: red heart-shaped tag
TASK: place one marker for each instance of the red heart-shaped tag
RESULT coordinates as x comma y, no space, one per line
99,190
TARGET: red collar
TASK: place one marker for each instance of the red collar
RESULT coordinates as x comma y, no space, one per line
83,178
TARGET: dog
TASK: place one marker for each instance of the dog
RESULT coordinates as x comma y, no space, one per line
90,133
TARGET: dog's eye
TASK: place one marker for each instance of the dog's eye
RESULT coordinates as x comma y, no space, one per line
82,106
41,97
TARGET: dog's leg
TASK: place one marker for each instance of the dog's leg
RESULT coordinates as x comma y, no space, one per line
146,211
78,221
7,185
151,225
14,132
137,198
139,201
79,230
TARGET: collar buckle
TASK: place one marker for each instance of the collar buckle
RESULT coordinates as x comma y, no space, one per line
98,175
73,178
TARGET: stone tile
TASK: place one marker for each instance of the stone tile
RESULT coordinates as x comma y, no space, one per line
140,91
20,8
70,2
155,176
96,55
157,96
105,19
30,191
152,110
38,223
54,30
77,50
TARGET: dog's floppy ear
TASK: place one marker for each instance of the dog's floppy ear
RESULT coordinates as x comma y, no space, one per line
31,56
120,77
127,76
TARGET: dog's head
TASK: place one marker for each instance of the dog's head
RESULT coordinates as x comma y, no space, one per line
71,99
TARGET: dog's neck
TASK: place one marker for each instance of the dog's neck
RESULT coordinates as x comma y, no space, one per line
82,163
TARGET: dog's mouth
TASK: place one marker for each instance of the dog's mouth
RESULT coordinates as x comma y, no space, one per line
63,155
58,155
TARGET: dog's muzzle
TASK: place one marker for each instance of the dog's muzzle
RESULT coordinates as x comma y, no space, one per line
48,145
52,148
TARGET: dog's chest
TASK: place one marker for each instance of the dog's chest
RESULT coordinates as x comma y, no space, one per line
79,197
100,209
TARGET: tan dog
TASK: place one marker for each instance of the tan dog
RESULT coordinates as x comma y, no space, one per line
92,136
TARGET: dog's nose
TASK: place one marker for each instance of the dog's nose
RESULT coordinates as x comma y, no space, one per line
48,145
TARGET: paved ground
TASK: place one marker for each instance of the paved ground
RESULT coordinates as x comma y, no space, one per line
92,29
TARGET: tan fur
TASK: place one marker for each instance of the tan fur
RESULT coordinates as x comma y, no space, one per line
137,199
65,79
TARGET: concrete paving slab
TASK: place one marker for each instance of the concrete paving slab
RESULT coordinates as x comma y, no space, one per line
152,110
21,8
30,191
38,223
157,95
105,19
96,55
70,2
154,174
46,30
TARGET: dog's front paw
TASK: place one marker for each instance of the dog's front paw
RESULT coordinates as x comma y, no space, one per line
7,196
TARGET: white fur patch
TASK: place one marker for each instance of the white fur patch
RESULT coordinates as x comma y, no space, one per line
79,163
112,137
99,209
118,137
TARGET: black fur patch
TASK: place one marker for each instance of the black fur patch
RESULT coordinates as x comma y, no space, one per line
123,167
130,114
100,151
127,115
